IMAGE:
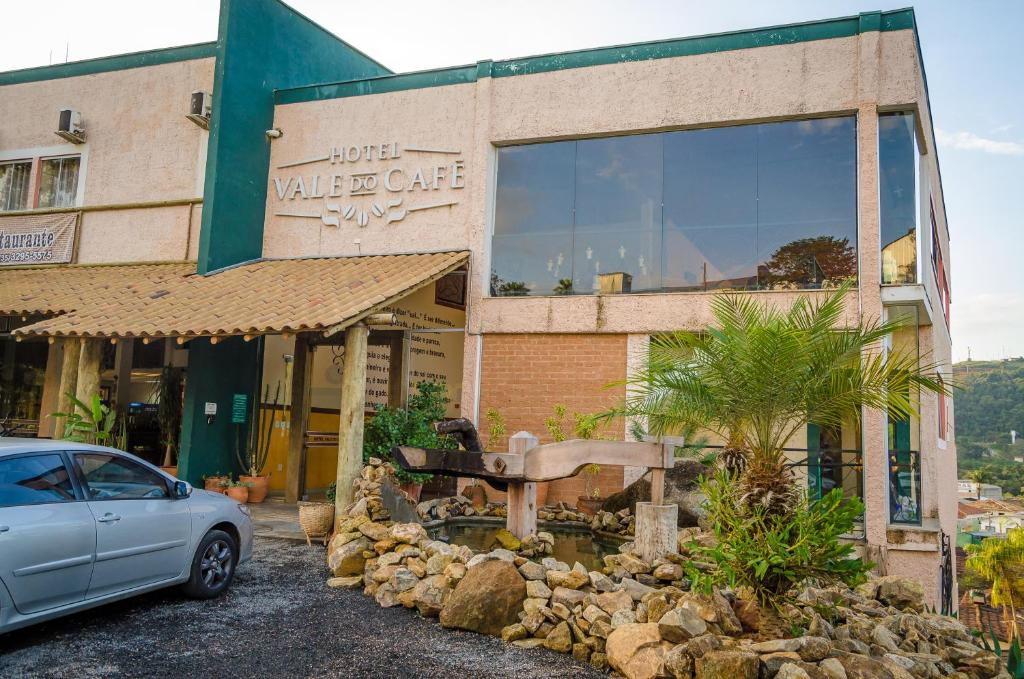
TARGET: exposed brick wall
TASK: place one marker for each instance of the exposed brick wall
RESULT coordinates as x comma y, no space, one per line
524,376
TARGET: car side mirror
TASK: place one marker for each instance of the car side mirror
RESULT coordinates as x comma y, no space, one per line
182,490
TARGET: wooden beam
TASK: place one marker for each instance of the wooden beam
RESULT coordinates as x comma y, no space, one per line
68,381
301,389
123,357
656,530
89,366
522,496
396,372
350,423
51,390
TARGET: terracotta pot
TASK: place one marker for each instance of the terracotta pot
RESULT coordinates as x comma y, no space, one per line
259,488
239,493
214,483
588,505
172,470
478,495
413,490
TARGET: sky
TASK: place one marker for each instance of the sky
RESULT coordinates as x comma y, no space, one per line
973,55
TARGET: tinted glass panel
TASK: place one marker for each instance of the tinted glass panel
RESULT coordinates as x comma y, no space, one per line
897,184
756,206
617,241
14,185
58,182
711,209
110,477
33,480
532,249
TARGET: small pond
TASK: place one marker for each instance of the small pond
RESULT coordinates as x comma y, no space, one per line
571,544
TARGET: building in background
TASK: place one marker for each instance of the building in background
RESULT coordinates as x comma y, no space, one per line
531,224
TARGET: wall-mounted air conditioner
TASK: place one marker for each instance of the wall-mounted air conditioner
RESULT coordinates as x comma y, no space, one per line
69,126
199,108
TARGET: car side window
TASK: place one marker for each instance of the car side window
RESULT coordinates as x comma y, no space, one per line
111,477
34,480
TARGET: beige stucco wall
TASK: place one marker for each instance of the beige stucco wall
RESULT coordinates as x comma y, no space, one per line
139,148
859,75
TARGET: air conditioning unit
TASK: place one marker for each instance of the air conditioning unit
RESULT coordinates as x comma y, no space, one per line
69,126
199,108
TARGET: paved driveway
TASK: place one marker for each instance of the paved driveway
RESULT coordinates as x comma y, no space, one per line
278,620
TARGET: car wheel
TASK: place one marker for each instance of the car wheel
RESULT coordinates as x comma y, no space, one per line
213,566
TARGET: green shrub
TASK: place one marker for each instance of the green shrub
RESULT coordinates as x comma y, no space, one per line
772,554
412,426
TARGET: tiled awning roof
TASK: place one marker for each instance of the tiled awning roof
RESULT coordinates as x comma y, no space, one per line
48,290
262,297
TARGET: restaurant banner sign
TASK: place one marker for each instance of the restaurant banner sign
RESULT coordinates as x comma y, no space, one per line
38,239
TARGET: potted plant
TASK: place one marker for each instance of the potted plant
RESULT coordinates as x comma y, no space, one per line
95,423
254,458
237,490
168,397
591,501
215,482
317,518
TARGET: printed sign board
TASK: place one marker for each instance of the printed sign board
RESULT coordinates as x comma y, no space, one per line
38,239
239,408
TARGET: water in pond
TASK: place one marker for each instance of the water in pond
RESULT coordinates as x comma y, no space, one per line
570,545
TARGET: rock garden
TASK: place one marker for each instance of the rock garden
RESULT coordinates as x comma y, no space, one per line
643,619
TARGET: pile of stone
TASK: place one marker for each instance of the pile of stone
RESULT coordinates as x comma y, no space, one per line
561,512
641,619
368,486
620,522
443,508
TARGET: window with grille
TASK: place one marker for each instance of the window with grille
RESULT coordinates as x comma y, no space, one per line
58,181
14,185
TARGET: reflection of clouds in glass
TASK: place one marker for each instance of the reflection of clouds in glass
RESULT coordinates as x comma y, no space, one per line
821,125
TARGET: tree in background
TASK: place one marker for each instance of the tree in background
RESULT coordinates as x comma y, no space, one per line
1001,562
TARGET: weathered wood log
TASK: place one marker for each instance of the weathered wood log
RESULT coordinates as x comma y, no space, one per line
463,431
656,532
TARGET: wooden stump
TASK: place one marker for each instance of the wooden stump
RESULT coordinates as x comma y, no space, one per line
656,531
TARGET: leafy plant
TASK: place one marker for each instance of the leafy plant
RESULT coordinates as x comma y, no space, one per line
332,491
94,423
771,553
412,426
496,429
168,414
257,449
1001,562
759,375
590,473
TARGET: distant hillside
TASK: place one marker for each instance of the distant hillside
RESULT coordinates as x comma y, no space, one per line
990,400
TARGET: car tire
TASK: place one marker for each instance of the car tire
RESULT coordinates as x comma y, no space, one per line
213,566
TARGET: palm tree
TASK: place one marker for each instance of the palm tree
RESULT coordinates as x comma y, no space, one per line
1001,562
760,375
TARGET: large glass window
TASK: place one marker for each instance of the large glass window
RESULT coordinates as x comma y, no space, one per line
14,180
897,184
58,181
770,206
33,480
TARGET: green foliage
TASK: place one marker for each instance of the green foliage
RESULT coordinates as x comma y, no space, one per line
991,400
332,491
773,554
554,424
413,426
94,423
1001,562
169,404
496,429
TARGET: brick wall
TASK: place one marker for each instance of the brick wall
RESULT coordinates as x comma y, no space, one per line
524,376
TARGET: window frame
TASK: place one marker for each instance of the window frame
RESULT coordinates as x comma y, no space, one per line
31,169
84,482
78,491
36,156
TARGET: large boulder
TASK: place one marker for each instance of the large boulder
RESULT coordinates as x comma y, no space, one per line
680,489
348,558
732,664
900,592
637,651
487,599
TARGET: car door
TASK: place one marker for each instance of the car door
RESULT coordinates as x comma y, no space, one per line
47,535
142,533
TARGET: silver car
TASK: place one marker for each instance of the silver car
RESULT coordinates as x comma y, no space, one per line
82,525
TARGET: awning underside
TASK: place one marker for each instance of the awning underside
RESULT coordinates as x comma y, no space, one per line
258,298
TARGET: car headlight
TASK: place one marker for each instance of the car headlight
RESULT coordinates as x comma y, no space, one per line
245,510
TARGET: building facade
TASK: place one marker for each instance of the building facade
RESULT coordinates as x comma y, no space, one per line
530,224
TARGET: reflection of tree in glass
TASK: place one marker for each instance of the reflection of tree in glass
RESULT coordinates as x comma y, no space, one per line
502,288
808,262
564,286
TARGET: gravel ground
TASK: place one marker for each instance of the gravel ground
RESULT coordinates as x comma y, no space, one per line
278,619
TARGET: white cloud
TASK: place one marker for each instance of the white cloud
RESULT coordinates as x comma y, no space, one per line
968,141
991,324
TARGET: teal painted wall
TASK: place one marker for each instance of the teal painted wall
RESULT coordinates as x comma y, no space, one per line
215,373
262,45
